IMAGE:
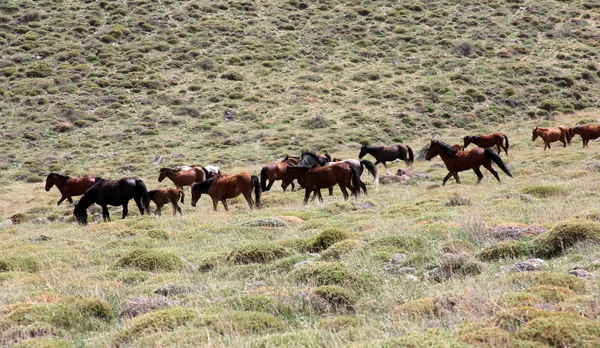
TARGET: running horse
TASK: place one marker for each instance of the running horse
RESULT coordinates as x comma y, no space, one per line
183,176
458,161
315,178
113,192
68,186
276,171
311,159
226,187
586,133
162,197
500,140
550,135
388,153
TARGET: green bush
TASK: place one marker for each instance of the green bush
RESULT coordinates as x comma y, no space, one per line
564,234
325,239
257,253
562,331
338,297
543,191
528,279
337,250
330,273
151,260
507,250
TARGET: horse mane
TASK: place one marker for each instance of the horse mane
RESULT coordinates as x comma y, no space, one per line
88,198
474,137
206,173
60,176
203,185
152,193
447,149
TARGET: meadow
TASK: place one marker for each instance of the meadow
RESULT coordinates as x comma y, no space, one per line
104,87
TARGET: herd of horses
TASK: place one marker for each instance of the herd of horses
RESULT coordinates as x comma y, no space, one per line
310,170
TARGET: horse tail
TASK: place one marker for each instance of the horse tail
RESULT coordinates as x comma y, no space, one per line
569,135
142,192
355,181
182,195
506,143
411,156
489,153
372,169
263,179
257,189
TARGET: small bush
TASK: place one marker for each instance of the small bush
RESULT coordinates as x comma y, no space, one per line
325,239
213,260
543,191
23,264
257,253
329,273
486,335
564,234
527,279
562,331
151,260
338,297
337,250
426,307
507,250
233,76
158,234
513,318
166,319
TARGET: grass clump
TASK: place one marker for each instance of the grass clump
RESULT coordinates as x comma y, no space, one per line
258,253
430,338
562,331
528,279
544,191
23,264
457,247
329,273
305,338
338,297
506,250
337,250
166,319
158,234
511,319
325,239
565,234
151,260
260,303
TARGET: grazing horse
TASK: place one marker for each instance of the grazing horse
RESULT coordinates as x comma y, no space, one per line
585,132
113,192
162,197
388,153
549,135
498,139
275,171
67,186
226,187
183,177
458,161
315,178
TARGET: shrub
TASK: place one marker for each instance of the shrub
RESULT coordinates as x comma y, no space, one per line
338,297
562,331
325,239
550,105
337,250
513,318
158,234
564,234
430,338
233,76
457,247
212,260
485,335
257,253
166,319
151,260
22,263
329,273
426,307
527,279
506,250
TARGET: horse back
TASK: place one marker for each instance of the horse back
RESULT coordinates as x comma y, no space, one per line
78,186
230,186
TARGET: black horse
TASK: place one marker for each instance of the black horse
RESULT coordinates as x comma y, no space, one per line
388,153
113,192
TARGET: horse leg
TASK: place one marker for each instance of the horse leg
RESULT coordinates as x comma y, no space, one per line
331,191
306,195
224,201
344,192
174,206
455,175
498,147
215,202
178,209
62,199
105,215
446,178
319,195
489,167
271,182
125,210
479,174
249,199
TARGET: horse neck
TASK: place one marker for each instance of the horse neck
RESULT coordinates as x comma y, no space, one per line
88,198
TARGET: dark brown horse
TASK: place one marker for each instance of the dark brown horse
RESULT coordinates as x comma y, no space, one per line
315,178
273,172
497,139
458,161
360,167
226,187
309,159
113,192
291,160
586,133
388,153
183,177
67,186
550,135
162,197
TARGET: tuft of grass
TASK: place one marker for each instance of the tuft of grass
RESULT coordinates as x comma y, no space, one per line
527,279
23,263
338,297
330,273
260,303
325,239
337,250
257,253
564,235
151,260
562,331
507,250
544,191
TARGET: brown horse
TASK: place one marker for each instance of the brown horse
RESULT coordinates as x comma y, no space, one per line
67,186
275,171
498,139
315,178
183,177
388,153
162,197
457,147
458,161
291,160
549,135
226,187
586,133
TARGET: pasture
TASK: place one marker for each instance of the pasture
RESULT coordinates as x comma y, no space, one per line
356,272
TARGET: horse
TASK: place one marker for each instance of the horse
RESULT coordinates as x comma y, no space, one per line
549,135
162,197
311,159
183,177
458,147
314,178
458,161
585,132
113,192
388,153
293,160
275,171
360,166
226,187
68,186
500,140
211,171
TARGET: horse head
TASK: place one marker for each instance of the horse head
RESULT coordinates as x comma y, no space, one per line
163,174
199,188
467,139
433,150
49,181
534,133
363,151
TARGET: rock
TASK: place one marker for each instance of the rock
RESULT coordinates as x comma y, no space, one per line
412,278
514,231
6,223
266,222
157,160
178,155
142,305
40,238
397,258
229,114
399,270
529,265
38,221
581,273
96,216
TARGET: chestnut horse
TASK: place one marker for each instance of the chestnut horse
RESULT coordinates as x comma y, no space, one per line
276,171
388,153
226,187
586,133
113,192
498,139
458,161
549,135
162,197
183,177
310,159
314,178
67,186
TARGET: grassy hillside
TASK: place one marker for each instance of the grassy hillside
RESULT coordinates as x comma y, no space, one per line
104,87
